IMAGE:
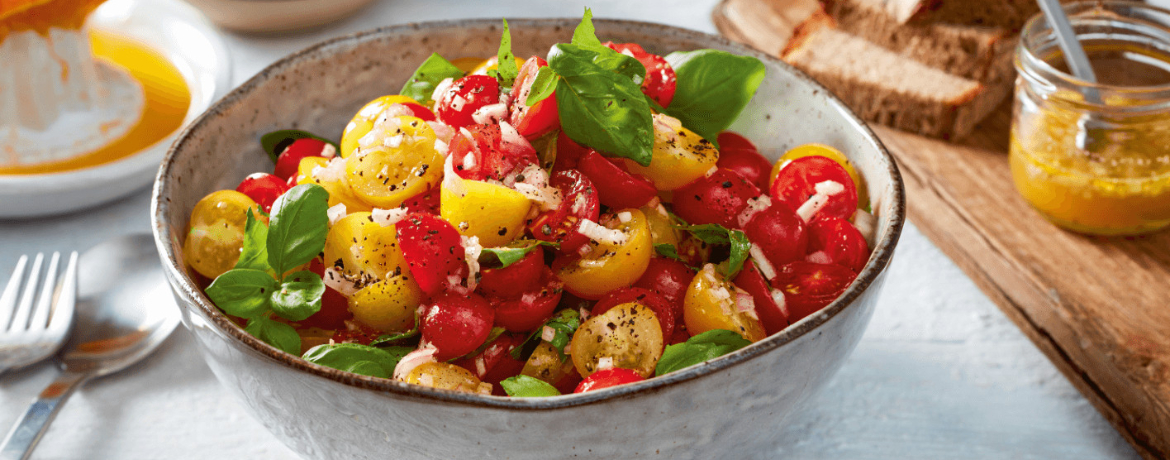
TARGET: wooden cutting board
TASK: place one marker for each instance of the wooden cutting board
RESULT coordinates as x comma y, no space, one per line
1099,308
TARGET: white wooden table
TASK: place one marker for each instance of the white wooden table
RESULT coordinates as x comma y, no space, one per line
941,373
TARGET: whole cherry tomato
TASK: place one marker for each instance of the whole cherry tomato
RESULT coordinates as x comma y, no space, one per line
616,187
263,188
464,97
289,159
740,155
495,362
433,250
660,79
541,118
334,306
667,277
808,287
530,309
515,279
667,312
718,198
778,231
608,378
456,324
488,153
796,183
839,242
773,317
579,200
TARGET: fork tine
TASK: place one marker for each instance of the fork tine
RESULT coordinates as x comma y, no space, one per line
40,315
20,320
66,299
8,299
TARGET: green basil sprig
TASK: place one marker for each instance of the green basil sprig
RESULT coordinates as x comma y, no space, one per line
275,333
506,70
511,254
358,358
564,324
713,88
254,254
434,70
386,339
296,232
523,386
703,347
276,141
719,235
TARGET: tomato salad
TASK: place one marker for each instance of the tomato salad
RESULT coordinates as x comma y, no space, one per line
533,227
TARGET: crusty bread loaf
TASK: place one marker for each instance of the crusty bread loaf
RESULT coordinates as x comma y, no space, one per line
885,87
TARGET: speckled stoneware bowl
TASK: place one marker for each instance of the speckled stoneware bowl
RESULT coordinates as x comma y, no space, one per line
730,407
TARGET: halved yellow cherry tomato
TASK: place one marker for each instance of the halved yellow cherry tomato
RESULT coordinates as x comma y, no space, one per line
446,376
388,305
628,335
386,175
814,149
662,229
216,234
467,64
608,266
363,121
679,157
339,191
710,303
364,250
491,63
545,364
493,213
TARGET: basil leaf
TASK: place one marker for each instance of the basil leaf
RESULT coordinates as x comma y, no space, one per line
509,255
506,69
358,358
713,88
609,112
242,292
275,333
297,230
299,296
708,233
254,255
703,347
543,86
434,70
276,141
667,250
585,37
740,249
523,386
585,34
391,338
564,324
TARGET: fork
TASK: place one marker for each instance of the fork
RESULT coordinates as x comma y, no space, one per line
29,333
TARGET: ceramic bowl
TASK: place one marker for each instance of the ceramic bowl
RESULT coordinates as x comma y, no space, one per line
729,407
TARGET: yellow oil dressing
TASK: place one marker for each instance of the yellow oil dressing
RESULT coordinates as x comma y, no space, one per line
167,99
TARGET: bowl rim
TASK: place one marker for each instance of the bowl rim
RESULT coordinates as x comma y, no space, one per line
181,281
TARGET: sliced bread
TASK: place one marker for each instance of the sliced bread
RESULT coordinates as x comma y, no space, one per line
1009,14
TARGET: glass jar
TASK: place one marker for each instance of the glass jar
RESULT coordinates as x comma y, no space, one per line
1114,179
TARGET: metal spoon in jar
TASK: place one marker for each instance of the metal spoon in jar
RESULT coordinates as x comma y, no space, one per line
124,311
1091,132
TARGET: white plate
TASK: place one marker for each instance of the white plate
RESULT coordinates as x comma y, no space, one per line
172,28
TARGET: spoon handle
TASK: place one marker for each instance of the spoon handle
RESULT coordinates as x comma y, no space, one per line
1074,53
27,432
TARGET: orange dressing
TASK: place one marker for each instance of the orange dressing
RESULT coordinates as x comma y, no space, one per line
167,99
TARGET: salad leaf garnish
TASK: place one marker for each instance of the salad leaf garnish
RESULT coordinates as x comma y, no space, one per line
299,296
543,86
275,333
511,254
523,386
740,250
243,292
434,70
719,235
391,338
506,70
276,141
296,232
358,358
706,346
585,34
713,88
564,324
254,254
667,250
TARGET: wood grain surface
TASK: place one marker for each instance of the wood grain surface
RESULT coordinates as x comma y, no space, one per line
1097,307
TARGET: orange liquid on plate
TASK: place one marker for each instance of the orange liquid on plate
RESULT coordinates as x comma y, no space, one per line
167,99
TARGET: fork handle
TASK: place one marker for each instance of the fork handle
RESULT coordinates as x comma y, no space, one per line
27,432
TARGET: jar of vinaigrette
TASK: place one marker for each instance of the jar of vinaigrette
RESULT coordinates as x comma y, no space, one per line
1095,158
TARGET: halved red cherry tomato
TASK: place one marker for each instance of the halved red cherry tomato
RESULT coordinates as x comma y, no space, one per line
290,158
616,187
464,97
425,202
515,279
773,316
660,78
355,332
779,232
488,153
263,188
569,153
579,200
666,311
740,155
495,362
433,249
456,324
808,287
334,306
419,111
718,198
541,118
667,277
796,183
532,308
608,378
839,242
